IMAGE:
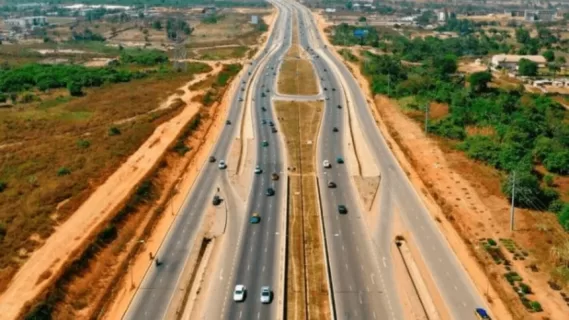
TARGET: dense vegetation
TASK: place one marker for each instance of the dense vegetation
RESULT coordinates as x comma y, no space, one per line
45,77
143,57
525,129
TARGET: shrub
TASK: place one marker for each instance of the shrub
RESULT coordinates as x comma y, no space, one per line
535,306
557,161
75,89
63,171
114,131
83,144
3,98
3,186
563,217
525,288
492,242
548,179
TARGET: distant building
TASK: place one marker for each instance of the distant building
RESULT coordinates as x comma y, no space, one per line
330,10
27,22
510,62
540,15
254,19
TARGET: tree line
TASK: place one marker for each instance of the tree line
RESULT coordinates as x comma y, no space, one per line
524,130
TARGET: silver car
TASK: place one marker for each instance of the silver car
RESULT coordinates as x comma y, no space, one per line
266,294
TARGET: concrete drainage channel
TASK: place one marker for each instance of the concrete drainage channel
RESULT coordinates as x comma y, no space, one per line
416,279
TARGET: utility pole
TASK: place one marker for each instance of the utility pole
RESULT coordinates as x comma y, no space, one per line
427,118
512,209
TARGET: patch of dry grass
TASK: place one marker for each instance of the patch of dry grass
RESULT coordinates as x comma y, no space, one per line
297,77
72,134
307,292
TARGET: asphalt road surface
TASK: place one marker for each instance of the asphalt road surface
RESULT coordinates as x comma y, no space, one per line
154,296
457,289
255,257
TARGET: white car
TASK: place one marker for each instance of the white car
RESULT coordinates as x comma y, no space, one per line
266,294
258,170
239,293
222,164
326,164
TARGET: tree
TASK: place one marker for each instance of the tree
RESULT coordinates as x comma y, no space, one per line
362,19
527,190
425,18
549,55
553,67
479,81
157,25
75,89
349,5
446,65
527,68
522,35
557,161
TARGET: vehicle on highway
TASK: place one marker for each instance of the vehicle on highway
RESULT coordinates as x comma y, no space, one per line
481,314
222,164
325,89
331,184
239,293
263,108
243,89
240,99
339,106
264,121
270,192
255,218
211,159
327,98
274,130
333,89
266,294
326,164
216,200
340,160
342,209
271,123
274,176
258,170
228,122
335,129
265,143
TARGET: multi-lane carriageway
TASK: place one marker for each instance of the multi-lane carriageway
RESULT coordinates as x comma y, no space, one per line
362,286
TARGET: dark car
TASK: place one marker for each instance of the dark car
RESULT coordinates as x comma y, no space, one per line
274,130
270,192
339,106
342,209
335,129
263,108
216,200
331,184
325,89
274,176
227,122
272,124
211,159
333,89
339,160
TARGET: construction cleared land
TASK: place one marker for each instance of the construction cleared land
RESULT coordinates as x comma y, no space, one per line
307,293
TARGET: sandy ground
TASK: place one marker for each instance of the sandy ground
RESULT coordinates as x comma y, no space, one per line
367,189
459,247
100,206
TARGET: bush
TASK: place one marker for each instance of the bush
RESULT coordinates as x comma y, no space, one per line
3,186
481,148
563,217
525,288
114,131
3,230
63,171
3,98
83,144
557,162
548,179
556,206
527,190
75,89
535,306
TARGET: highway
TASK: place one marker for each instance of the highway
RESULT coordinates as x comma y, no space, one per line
251,255
357,282
153,298
457,289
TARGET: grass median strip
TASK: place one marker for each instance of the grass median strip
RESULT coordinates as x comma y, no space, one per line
307,294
